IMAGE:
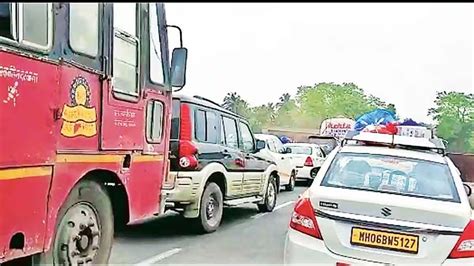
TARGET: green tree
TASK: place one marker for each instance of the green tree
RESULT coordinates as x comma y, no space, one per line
392,108
326,100
284,99
310,106
454,115
262,116
233,102
287,111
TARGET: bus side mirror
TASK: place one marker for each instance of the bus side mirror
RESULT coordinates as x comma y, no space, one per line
178,67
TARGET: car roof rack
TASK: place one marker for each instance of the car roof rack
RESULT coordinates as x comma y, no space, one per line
396,140
207,100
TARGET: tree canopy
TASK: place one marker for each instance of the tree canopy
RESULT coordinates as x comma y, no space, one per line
453,112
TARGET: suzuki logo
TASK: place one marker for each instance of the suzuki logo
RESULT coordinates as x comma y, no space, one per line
386,211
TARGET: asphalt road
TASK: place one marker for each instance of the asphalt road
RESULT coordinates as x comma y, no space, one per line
245,236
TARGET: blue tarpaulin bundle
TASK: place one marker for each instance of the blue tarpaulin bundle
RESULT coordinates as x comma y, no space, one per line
409,122
375,118
285,139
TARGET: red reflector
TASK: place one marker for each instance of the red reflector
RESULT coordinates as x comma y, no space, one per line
342,264
308,162
187,152
303,218
464,248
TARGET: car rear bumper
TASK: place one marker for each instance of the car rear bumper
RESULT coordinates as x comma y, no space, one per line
301,249
185,188
304,173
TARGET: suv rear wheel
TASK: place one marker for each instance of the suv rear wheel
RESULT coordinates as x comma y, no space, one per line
270,196
211,209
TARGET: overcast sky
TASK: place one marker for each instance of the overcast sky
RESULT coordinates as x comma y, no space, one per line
402,53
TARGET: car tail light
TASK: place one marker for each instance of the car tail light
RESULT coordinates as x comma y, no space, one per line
308,162
342,264
187,149
185,131
464,248
303,218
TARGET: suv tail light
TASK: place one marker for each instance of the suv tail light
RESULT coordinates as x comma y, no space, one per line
464,248
308,162
187,149
303,218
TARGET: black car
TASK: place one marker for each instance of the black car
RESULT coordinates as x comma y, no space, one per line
213,162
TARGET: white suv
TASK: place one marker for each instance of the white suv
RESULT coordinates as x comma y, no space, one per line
275,151
384,200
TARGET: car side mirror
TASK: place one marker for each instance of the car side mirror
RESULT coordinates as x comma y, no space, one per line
178,67
287,150
468,189
260,145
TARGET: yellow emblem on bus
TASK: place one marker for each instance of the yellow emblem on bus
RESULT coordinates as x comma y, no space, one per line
79,118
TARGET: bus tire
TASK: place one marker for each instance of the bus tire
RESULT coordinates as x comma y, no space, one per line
84,229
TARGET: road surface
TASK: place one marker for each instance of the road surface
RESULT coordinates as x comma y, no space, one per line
245,236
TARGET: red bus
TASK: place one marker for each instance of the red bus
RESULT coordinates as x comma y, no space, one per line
85,101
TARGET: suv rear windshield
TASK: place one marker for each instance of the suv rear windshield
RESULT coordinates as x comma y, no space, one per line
300,150
390,174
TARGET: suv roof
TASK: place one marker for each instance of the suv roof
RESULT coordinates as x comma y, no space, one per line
205,102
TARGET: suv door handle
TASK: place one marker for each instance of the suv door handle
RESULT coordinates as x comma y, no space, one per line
226,154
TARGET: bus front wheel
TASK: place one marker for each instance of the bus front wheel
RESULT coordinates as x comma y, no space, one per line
84,229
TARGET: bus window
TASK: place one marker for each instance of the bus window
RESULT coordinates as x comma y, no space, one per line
84,28
156,64
35,23
125,17
5,21
35,20
126,49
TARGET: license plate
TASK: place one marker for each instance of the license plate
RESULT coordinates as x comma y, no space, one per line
385,240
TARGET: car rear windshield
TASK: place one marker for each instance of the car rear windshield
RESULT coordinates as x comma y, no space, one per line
300,150
327,144
390,174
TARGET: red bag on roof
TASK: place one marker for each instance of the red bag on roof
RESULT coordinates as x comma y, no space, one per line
390,128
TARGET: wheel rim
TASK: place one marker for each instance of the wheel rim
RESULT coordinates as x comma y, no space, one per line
292,180
212,209
78,235
271,194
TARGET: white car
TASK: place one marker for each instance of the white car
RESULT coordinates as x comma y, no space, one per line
308,159
276,152
383,205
